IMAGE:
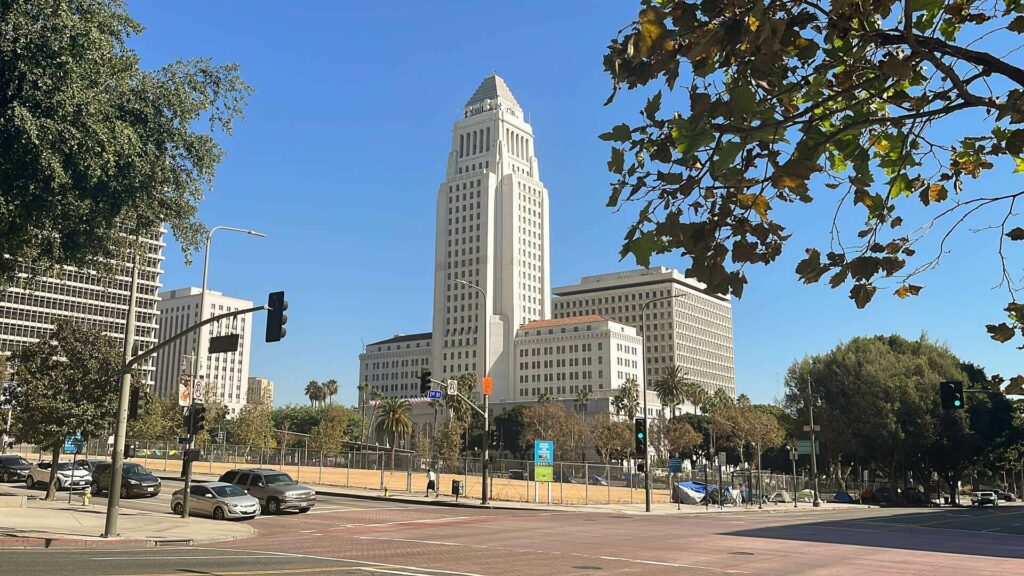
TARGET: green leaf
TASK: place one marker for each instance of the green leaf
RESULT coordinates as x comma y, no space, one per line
925,5
726,156
1000,332
743,100
642,247
620,133
1016,25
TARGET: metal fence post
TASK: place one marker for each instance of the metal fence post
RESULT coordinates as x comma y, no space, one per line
561,482
586,483
167,454
320,474
380,458
408,481
348,469
608,481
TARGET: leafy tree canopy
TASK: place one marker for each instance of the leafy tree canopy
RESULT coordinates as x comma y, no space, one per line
786,102
93,145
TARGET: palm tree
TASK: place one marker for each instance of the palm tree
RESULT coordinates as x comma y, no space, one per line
330,389
395,420
582,399
627,400
671,388
315,392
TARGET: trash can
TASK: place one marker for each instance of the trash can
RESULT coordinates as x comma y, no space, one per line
456,488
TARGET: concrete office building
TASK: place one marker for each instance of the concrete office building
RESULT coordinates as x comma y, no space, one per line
492,231
392,366
693,330
226,374
30,307
260,389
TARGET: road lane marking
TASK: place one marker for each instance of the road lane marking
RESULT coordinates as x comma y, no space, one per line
353,561
425,521
261,572
167,558
527,551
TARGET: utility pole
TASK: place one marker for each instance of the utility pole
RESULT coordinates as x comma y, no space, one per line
117,458
814,449
485,394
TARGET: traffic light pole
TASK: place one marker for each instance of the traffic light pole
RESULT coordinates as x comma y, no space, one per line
487,436
110,526
814,451
117,458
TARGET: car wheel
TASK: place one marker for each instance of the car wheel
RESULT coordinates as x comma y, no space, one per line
218,513
30,483
4,477
94,488
273,506
177,508
124,492
303,510
58,486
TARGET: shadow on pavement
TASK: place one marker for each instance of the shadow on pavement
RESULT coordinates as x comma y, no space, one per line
986,532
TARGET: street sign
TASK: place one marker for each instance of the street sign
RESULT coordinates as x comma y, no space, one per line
804,446
544,473
543,453
434,394
721,459
488,385
807,428
453,387
183,440
222,344
73,443
675,465
198,390
221,437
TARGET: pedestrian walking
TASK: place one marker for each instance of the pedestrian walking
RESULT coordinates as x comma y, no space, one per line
432,483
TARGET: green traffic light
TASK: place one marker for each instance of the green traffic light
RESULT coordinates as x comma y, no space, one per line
640,435
956,403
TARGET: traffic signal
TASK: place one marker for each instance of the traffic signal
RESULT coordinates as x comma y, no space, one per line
198,420
952,395
495,438
424,381
276,318
640,436
133,403
130,451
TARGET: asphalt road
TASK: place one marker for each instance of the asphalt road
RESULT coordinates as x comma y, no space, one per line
359,536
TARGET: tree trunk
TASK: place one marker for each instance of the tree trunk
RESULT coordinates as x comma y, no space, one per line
51,488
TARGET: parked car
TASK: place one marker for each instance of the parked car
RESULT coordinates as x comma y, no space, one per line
1004,496
13,468
982,498
218,500
89,465
136,480
68,476
275,490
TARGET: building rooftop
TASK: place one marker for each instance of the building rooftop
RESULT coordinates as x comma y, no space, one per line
491,88
565,321
398,338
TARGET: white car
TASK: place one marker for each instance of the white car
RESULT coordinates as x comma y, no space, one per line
69,476
984,497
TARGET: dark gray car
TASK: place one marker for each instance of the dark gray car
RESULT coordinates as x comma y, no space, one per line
13,468
136,480
275,490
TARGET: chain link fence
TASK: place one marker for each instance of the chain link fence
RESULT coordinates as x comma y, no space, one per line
403,472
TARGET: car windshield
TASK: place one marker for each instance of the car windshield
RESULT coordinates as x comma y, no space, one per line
14,461
136,470
227,491
64,466
278,480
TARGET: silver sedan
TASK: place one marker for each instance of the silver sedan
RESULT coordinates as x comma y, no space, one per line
219,500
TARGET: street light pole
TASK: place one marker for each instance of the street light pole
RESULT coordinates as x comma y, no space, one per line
814,451
198,350
487,415
643,363
793,455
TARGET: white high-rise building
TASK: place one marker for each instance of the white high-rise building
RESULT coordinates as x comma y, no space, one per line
687,326
29,308
226,374
492,231
260,390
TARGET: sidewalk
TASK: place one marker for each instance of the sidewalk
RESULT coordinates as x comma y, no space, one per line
660,508
57,524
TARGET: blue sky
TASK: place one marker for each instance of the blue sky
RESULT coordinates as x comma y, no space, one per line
344,146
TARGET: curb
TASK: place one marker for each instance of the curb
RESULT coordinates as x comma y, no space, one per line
23,542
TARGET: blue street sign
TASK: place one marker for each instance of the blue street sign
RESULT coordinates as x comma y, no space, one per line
434,394
73,443
675,465
543,453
